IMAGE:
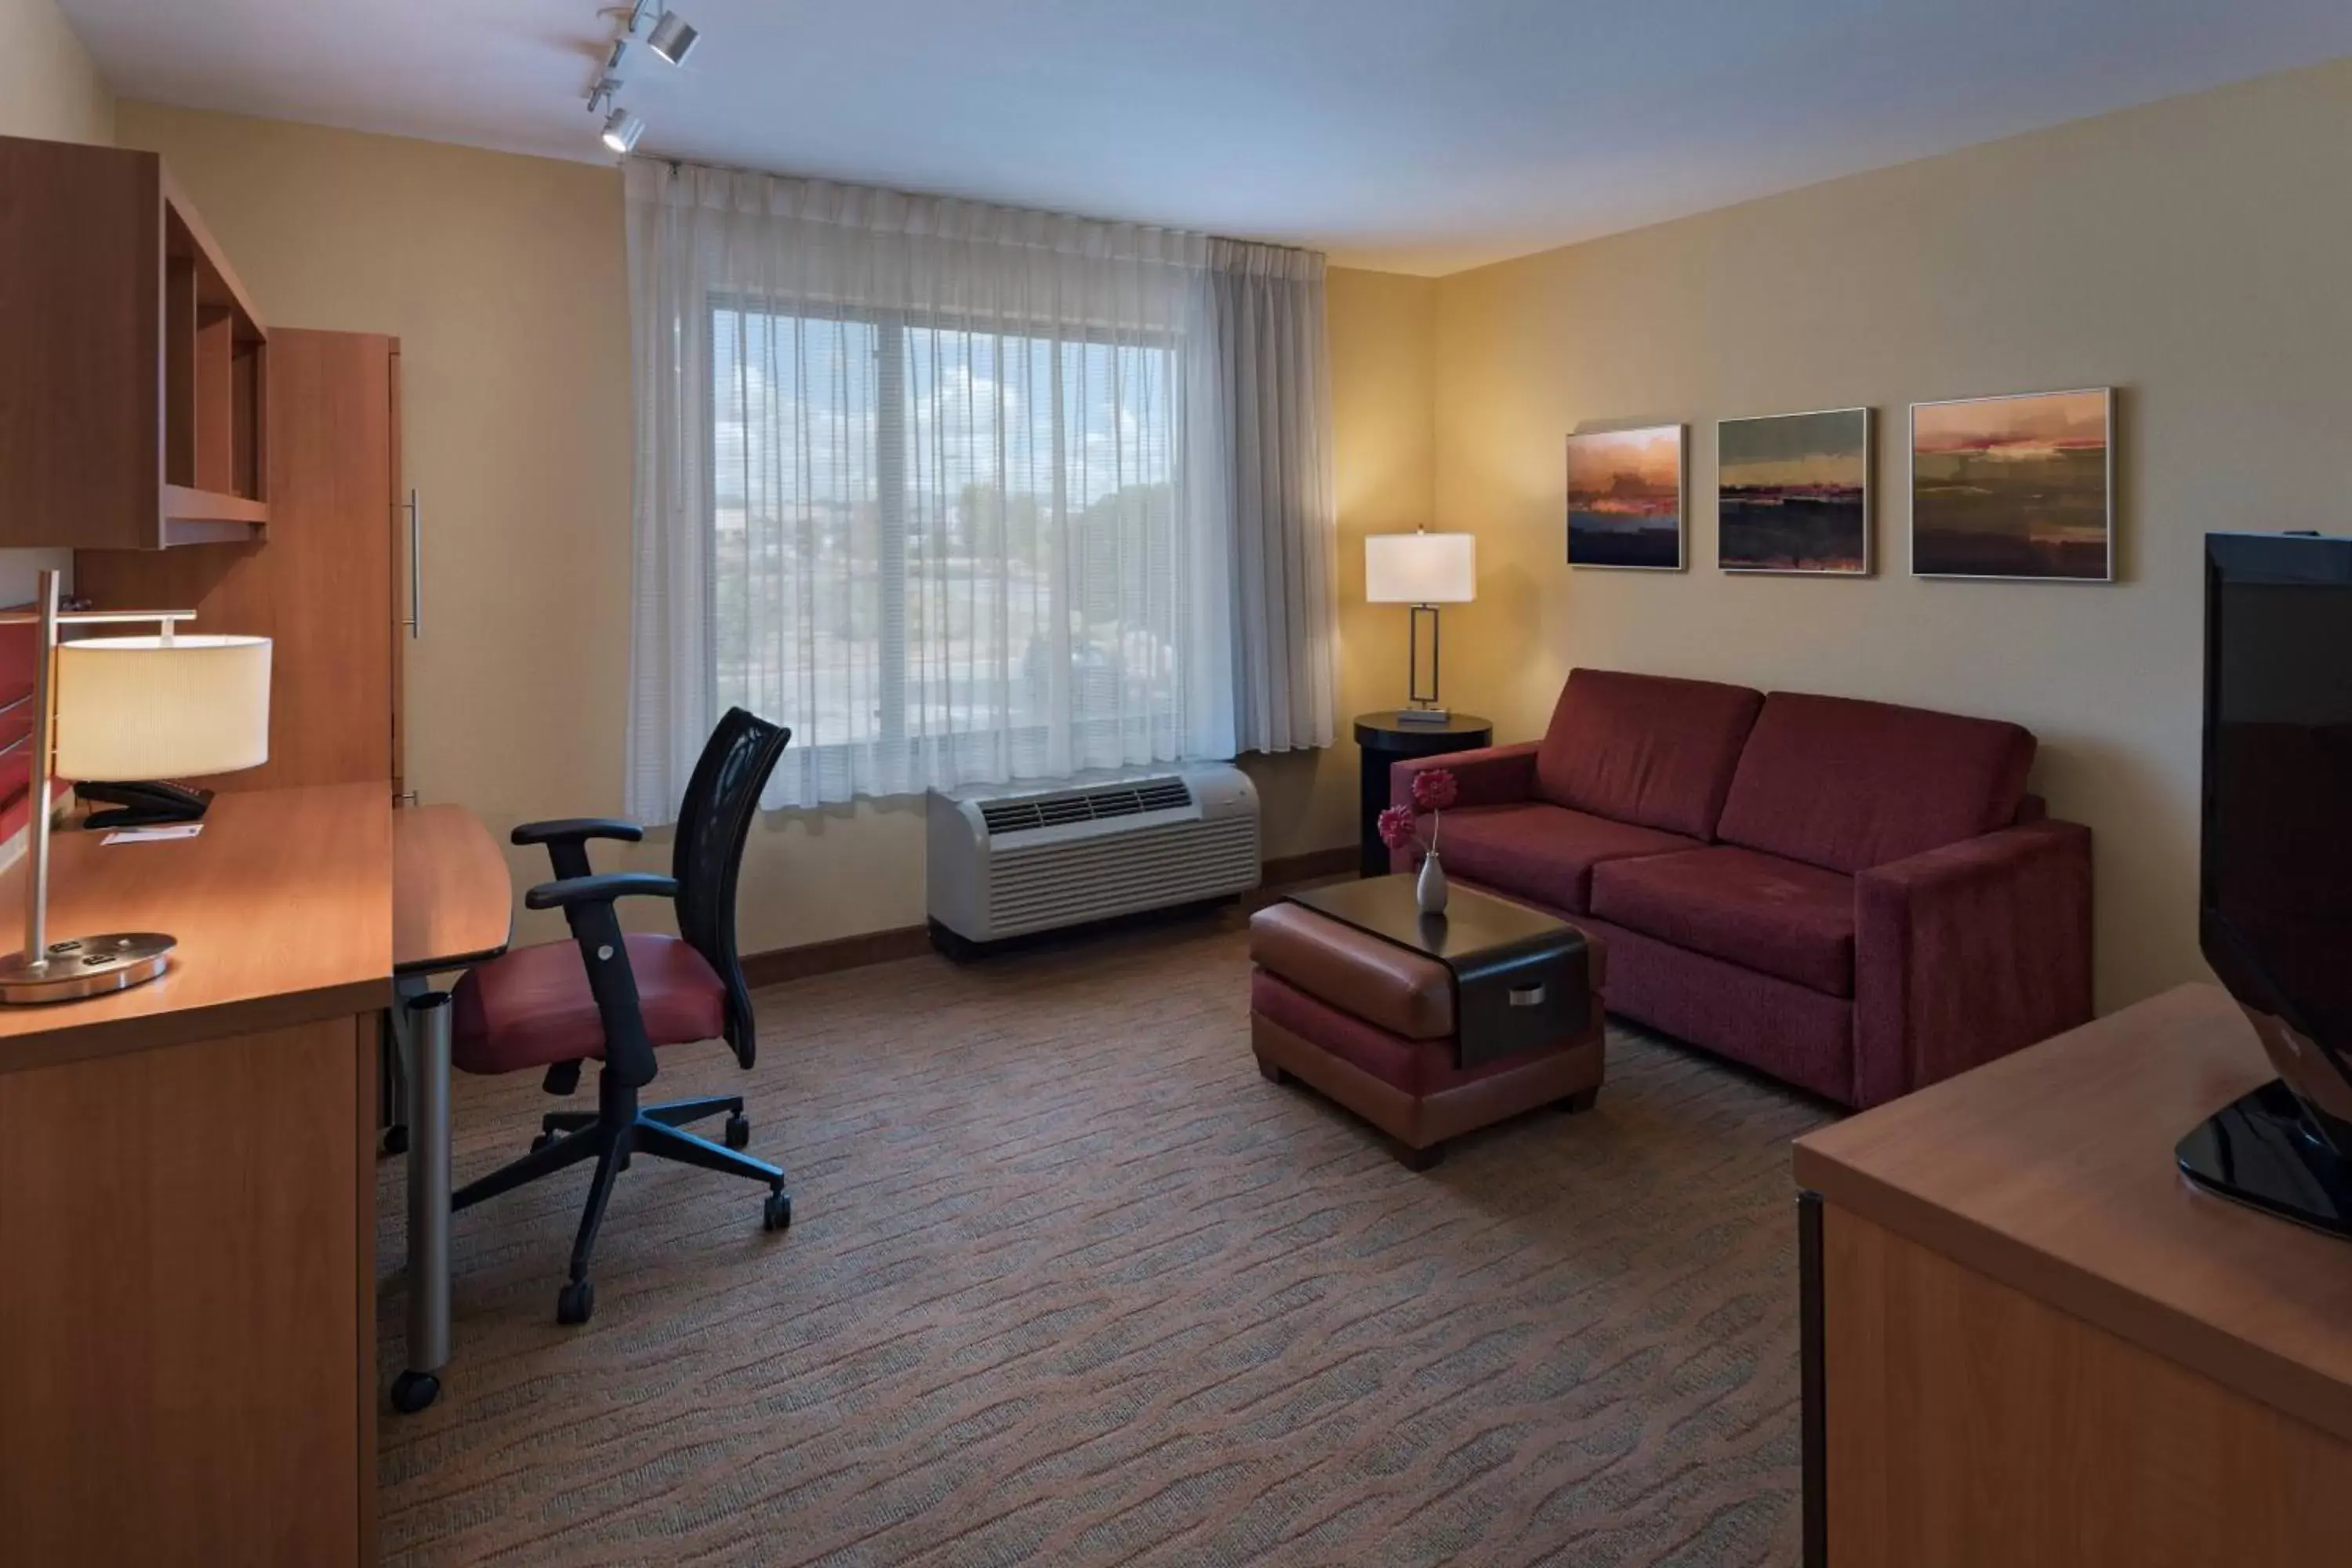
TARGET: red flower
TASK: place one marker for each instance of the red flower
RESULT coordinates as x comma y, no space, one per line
1434,790
1395,826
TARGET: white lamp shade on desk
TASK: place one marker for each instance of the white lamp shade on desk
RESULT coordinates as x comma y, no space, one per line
157,708
1421,568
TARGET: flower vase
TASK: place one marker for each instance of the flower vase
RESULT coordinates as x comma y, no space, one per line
1429,888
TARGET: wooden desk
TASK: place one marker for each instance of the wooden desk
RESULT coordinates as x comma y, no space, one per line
452,905
187,1335
2029,1341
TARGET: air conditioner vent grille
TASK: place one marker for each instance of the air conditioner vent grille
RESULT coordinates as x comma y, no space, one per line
1032,811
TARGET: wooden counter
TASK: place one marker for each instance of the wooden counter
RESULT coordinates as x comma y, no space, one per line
187,1338
2035,1341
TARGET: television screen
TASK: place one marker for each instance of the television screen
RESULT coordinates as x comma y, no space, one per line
2275,875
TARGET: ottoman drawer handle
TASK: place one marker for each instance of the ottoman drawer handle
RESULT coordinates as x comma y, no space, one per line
1526,996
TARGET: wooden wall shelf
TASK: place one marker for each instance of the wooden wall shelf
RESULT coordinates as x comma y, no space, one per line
133,399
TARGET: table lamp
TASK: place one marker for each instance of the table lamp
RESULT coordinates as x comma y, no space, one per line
1423,570
123,708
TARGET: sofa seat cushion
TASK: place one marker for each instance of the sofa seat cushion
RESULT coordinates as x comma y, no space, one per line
1644,748
1545,853
1774,916
1849,785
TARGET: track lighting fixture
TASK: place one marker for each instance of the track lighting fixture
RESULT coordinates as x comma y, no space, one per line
622,130
672,36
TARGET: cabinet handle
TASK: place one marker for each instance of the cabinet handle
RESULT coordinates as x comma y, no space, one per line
1526,996
415,622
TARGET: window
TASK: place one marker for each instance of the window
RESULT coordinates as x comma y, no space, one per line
938,553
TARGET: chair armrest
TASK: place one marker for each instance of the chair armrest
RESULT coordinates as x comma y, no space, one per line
566,839
573,829
1968,952
601,888
587,906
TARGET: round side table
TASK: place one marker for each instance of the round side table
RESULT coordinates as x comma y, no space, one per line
1384,740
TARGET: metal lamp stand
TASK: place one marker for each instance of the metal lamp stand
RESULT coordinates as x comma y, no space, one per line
46,971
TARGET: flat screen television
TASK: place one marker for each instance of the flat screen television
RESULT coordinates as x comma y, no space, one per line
2275,866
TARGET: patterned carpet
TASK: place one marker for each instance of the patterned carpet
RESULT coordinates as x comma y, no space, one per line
1069,1283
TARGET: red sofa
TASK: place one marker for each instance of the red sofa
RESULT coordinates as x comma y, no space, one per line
1856,898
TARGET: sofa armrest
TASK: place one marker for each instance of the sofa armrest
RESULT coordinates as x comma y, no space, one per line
1969,952
1491,775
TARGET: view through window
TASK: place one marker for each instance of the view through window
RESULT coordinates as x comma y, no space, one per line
958,549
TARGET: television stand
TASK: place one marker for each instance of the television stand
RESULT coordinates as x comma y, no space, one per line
2261,1150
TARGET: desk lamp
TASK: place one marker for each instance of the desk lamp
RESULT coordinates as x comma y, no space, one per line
1423,570
114,707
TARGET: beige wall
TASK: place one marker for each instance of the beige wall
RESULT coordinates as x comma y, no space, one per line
47,86
2195,253
504,278
48,89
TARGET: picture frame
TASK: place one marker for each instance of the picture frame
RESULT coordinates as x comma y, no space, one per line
2017,487
1796,494
1626,499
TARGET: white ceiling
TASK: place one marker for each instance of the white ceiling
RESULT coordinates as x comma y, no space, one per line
1419,135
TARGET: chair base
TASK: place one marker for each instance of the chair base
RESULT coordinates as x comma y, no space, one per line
610,1135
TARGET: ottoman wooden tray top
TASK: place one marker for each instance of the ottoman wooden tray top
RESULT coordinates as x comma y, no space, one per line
1426,1026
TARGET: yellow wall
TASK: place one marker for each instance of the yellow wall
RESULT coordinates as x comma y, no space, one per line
506,280
47,86
2193,254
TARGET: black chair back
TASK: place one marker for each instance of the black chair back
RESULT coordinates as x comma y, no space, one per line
715,819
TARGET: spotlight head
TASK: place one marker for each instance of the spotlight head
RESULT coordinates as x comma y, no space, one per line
673,37
622,130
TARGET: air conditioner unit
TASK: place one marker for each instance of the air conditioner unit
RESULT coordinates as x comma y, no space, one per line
1010,860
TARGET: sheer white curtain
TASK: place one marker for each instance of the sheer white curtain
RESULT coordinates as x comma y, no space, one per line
1263,387
925,481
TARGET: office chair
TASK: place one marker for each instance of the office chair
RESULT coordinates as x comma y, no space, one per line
615,997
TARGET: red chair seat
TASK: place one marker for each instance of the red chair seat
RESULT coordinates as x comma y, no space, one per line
532,1007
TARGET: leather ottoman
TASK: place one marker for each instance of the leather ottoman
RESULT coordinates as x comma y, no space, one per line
1372,1025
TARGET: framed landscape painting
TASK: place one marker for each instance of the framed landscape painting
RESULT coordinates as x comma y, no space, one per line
1792,493
2017,487
1625,498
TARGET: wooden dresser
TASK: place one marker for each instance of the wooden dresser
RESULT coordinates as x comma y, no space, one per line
2029,1341
187,1340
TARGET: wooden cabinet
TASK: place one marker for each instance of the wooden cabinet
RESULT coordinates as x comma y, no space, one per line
134,387
2028,1339
328,585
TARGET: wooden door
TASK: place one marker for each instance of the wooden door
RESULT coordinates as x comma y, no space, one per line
321,585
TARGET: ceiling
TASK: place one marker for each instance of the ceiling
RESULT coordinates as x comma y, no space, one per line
1417,135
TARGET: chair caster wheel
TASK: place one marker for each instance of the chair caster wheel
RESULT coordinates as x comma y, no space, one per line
738,1131
542,1141
395,1140
576,1302
412,1391
779,1214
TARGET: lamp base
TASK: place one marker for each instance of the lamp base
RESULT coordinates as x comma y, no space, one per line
85,966
1424,716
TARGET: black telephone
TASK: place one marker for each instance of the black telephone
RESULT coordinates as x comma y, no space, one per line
144,804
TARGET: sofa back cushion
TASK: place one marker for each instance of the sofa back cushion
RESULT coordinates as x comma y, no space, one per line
1849,785
1644,748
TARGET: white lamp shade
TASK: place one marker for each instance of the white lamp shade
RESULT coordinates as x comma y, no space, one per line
1421,568
149,707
